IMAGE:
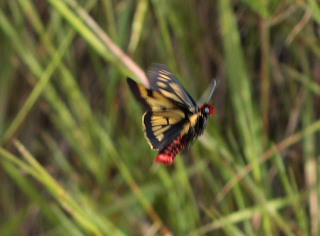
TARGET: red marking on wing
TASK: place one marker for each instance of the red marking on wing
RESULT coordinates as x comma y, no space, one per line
167,155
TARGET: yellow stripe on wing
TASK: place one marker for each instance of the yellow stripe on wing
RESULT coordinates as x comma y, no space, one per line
155,100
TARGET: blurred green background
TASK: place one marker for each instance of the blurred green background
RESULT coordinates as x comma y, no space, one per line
73,158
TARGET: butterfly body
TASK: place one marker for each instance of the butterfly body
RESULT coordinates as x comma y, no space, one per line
172,120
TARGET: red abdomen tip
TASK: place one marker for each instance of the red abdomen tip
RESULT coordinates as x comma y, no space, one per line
164,159
167,155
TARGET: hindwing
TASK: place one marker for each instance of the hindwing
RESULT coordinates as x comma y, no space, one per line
161,128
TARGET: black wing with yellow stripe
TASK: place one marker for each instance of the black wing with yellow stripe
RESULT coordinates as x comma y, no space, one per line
163,120
163,81
160,129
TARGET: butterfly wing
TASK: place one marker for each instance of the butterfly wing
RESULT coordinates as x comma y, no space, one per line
161,128
163,81
164,119
151,100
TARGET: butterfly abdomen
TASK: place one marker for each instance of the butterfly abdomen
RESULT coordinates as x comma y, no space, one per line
167,155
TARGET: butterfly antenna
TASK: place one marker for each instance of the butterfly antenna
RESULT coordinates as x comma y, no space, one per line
214,85
205,98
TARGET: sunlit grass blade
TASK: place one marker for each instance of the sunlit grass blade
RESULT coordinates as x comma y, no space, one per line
247,119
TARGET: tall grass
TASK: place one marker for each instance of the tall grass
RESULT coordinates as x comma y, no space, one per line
73,157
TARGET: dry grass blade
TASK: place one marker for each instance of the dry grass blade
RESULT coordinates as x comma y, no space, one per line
286,143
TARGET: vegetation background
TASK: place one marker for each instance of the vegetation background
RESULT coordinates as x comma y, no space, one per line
73,159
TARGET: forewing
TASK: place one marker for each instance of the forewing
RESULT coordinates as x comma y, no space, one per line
161,128
163,81
151,100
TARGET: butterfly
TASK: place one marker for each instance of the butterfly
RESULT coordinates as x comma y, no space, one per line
172,120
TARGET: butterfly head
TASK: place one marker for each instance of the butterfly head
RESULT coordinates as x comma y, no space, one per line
207,109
